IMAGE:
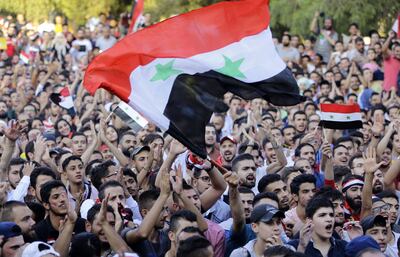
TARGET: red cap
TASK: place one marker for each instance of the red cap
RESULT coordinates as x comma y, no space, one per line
230,138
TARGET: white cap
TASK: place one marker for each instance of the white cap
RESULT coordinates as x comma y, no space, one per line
39,249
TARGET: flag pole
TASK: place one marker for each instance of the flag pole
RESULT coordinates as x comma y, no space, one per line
218,166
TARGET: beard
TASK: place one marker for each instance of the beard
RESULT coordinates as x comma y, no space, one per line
3,115
354,205
210,145
286,44
377,188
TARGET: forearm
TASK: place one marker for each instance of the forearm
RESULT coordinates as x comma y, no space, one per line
165,167
89,151
116,242
366,203
217,180
280,155
6,157
237,210
64,239
383,143
313,26
122,159
392,174
329,170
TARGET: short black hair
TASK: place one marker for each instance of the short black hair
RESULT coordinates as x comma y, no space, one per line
85,244
387,194
7,210
45,171
103,187
265,195
338,146
277,250
340,171
130,173
355,156
297,152
147,198
329,192
266,180
301,179
239,158
195,246
45,191
70,159
299,113
317,203
151,137
91,215
75,134
179,215
289,170
99,172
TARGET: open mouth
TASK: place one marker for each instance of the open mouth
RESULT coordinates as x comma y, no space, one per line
250,178
329,227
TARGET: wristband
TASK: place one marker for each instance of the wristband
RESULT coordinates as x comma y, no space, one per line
210,169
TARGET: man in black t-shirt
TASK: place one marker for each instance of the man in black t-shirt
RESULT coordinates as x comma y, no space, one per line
55,200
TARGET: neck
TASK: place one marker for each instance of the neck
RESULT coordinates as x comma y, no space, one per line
75,189
210,148
172,251
55,220
320,242
301,212
259,247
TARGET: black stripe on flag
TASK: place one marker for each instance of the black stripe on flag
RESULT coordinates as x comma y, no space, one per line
341,125
194,98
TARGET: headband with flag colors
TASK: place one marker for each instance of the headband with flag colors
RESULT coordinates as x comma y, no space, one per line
340,116
176,72
352,182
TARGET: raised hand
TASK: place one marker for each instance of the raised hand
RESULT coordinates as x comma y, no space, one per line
370,165
305,234
14,131
176,179
326,150
232,179
165,187
28,168
176,147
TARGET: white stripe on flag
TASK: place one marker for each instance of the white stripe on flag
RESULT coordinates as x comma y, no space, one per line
260,61
340,117
67,102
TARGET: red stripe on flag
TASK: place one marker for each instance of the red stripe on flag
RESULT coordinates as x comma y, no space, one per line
64,92
137,11
340,108
398,25
199,31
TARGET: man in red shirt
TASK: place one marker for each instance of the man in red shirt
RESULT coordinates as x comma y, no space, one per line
391,63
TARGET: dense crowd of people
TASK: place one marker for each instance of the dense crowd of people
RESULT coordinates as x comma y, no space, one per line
83,184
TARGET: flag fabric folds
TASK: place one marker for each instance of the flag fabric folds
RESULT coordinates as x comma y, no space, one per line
339,116
176,72
131,117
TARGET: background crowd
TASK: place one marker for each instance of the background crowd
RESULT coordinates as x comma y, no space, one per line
85,184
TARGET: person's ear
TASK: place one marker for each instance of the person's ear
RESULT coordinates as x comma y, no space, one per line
144,212
88,226
295,197
171,236
46,206
255,227
31,191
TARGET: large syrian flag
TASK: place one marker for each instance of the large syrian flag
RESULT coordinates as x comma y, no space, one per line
137,16
340,116
176,72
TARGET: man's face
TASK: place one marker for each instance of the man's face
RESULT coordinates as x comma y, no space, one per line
305,165
396,143
323,220
128,142
3,107
75,172
276,133
341,156
266,230
377,182
234,105
280,189
379,234
58,201
285,41
22,216
117,196
131,185
325,89
140,160
218,122
97,229
23,120
79,145
40,181
328,24
306,192
210,136
357,167
339,212
353,197
300,122
194,196
396,52
246,171
228,150
14,176
270,152
288,135
307,152
350,147
247,201
182,224
12,245
203,182
394,207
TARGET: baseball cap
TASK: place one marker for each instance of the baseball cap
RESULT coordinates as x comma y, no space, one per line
49,137
9,229
265,213
230,138
360,243
371,220
39,249
139,149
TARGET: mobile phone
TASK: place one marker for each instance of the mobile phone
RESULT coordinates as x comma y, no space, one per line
82,48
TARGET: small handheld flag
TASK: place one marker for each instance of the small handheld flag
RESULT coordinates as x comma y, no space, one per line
64,100
339,116
131,117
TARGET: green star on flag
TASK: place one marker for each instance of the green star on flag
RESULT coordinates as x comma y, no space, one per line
231,68
164,71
